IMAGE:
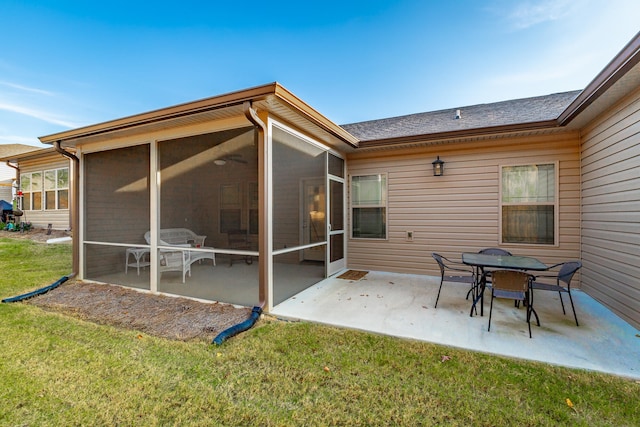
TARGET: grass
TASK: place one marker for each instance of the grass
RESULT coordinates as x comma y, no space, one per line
59,370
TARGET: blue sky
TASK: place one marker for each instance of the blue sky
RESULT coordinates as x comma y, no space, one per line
66,64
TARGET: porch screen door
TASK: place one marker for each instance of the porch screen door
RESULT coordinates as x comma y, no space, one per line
336,226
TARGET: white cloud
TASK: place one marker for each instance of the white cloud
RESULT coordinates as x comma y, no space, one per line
565,45
531,13
26,88
40,115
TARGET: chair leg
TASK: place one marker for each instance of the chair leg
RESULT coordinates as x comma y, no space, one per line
473,290
529,303
529,311
439,289
561,302
573,308
490,310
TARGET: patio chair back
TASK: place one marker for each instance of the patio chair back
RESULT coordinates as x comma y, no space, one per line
494,251
562,283
514,285
567,271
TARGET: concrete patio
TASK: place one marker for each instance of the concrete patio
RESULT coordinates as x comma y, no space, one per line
402,305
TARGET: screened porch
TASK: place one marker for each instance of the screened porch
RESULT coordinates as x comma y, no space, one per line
210,184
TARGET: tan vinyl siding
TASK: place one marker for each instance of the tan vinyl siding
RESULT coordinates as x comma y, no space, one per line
459,212
611,209
59,219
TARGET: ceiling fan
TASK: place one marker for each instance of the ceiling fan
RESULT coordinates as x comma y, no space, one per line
221,161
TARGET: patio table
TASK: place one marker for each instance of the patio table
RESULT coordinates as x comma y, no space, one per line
141,258
503,262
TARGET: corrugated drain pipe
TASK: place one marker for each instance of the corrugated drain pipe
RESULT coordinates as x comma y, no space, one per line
252,116
75,207
38,291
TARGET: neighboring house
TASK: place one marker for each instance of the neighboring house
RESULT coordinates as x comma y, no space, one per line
554,177
44,183
8,173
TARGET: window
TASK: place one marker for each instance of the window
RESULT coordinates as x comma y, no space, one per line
31,186
529,204
55,185
369,206
56,189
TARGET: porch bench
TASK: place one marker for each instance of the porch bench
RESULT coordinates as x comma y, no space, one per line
183,238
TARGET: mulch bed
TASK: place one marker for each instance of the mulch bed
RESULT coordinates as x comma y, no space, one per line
40,235
163,316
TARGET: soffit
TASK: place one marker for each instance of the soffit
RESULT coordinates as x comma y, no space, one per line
33,155
154,127
336,138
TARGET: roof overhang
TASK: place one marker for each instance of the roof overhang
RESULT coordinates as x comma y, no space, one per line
31,155
613,83
273,97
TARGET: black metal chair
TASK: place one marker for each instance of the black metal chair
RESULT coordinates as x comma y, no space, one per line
491,251
456,268
562,282
515,285
494,251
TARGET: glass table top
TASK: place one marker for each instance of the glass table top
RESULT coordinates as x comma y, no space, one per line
503,261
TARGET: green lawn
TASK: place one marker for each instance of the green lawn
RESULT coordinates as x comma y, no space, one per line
58,370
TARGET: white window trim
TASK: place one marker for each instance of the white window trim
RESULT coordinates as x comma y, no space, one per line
556,204
385,206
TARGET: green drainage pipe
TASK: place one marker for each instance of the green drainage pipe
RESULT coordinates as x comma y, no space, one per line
37,291
240,327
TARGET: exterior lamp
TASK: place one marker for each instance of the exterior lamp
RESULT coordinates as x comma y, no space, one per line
438,167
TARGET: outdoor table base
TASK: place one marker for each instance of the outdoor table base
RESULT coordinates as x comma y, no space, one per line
503,262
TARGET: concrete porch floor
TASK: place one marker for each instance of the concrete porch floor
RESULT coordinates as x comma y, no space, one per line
402,305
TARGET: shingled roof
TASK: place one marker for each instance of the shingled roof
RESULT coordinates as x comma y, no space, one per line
538,109
7,150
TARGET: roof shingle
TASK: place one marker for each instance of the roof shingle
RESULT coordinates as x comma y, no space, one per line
526,110
7,150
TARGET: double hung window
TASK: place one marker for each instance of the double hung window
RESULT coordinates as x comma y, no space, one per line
529,204
31,186
45,190
369,206
56,189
